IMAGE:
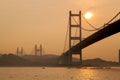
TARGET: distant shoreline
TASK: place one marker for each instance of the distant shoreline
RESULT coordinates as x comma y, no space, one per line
10,60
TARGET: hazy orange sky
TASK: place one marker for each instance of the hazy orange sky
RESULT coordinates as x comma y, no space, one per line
24,23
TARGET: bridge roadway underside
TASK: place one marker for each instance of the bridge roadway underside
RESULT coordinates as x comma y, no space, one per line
107,31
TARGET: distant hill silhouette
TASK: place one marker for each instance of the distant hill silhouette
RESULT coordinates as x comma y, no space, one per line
28,60
99,62
43,60
47,60
13,60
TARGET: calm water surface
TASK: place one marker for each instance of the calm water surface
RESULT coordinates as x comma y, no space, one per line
49,73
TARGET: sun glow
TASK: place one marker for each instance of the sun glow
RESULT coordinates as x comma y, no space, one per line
88,15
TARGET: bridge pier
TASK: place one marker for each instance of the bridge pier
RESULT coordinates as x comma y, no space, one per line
70,59
81,57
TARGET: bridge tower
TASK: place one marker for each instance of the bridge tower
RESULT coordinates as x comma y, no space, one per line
38,51
72,38
19,52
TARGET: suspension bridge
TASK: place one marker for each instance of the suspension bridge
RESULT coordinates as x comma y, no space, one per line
108,29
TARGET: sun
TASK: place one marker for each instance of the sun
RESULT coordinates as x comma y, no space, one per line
88,15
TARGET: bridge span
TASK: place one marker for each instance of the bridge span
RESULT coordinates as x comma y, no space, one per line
107,31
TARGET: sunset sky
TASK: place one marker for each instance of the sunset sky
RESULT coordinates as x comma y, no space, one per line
24,23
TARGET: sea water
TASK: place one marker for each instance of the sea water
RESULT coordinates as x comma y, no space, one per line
58,73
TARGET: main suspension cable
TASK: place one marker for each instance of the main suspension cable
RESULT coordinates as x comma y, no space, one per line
65,39
84,28
112,18
91,24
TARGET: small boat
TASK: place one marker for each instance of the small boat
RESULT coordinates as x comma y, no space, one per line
107,67
43,67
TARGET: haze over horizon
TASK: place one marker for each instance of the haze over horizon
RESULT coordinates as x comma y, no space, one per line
24,23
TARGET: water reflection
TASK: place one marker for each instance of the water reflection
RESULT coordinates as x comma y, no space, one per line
85,74
95,74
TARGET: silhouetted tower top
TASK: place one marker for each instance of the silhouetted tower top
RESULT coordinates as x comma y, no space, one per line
22,51
19,52
38,50
41,50
35,49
